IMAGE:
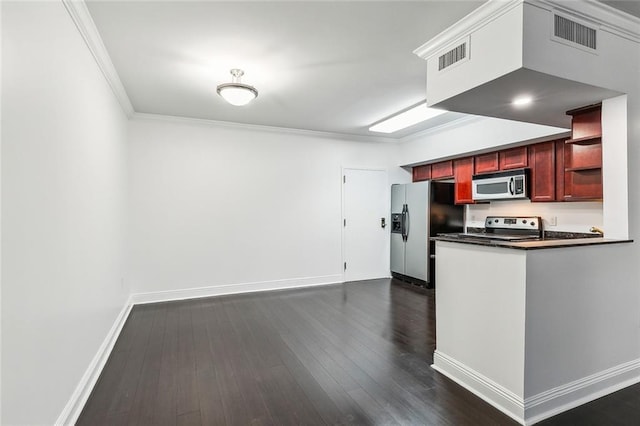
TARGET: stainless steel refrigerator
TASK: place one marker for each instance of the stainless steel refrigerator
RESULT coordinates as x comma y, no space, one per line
419,211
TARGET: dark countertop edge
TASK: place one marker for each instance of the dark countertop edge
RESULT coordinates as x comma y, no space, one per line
535,245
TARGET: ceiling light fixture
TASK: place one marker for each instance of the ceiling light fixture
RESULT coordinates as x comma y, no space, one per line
522,101
407,118
237,93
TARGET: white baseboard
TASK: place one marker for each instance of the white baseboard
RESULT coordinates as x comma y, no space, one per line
219,290
545,404
562,398
493,393
80,395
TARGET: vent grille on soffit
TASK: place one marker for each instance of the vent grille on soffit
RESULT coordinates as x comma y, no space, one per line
456,54
574,32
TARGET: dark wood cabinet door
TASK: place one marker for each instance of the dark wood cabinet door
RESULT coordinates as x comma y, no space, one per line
421,173
559,148
463,171
442,170
486,163
542,161
583,185
515,158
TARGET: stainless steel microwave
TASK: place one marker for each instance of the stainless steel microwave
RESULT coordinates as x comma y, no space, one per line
507,185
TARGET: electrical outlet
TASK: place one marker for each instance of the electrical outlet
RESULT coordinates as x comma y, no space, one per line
553,221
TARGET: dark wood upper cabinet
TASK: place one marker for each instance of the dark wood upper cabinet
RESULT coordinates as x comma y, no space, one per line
583,155
486,163
463,172
561,170
542,161
421,173
515,158
442,170
586,123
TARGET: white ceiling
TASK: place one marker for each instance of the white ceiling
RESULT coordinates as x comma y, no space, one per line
630,6
326,66
332,66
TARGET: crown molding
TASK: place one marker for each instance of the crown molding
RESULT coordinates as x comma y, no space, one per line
81,17
462,121
475,20
261,128
608,18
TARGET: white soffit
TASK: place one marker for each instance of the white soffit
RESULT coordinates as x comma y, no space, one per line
613,16
552,95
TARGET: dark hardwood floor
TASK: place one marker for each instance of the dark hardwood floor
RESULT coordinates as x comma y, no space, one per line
358,353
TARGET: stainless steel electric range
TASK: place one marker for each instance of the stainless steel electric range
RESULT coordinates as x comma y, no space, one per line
505,228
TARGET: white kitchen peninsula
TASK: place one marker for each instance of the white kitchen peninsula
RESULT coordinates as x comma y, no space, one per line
536,328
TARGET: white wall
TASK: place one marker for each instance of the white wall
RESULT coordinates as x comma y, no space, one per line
481,310
601,330
615,183
63,206
0,213
215,207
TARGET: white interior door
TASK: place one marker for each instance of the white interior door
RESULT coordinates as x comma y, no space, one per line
365,241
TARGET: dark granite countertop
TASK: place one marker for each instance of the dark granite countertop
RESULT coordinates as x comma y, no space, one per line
547,243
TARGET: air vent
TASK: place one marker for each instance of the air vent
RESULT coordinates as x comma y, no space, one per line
451,57
574,32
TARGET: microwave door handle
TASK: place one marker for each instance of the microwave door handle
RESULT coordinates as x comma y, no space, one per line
511,186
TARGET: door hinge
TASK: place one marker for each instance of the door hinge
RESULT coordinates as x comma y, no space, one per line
345,266
344,222
344,179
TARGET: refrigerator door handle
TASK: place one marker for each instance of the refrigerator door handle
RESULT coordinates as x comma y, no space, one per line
407,224
402,222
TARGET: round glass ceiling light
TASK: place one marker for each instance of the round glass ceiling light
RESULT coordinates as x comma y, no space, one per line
237,93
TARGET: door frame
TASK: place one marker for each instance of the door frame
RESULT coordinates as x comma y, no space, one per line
387,193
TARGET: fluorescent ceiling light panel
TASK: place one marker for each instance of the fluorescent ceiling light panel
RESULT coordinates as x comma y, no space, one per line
405,119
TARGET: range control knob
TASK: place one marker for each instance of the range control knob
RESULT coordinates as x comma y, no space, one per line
496,220
533,224
524,221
